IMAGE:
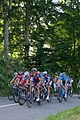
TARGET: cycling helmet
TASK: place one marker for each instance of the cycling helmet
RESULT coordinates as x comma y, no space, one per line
45,73
20,72
34,70
15,73
64,74
61,74
26,73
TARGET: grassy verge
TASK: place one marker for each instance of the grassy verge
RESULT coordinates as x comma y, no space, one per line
71,114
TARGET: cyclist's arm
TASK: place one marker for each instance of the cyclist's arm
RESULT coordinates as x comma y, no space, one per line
12,81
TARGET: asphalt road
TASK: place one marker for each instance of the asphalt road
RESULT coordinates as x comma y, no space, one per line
11,111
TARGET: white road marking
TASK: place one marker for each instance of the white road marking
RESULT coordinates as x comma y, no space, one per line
8,105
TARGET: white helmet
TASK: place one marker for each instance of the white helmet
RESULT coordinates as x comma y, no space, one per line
61,74
34,70
64,74
45,73
15,73
26,73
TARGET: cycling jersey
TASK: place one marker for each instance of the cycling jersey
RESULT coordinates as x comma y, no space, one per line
19,77
46,78
35,79
63,78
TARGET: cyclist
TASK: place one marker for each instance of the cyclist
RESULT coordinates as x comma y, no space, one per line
25,79
19,78
35,80
47,81
59,81
63,81
78,85
55,79
14,78
69,81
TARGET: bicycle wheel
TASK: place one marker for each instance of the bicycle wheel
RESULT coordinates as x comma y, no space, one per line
65,98
50,98
15,96
59,98
78,92
21,98
29,99
70,92
39,102
10,94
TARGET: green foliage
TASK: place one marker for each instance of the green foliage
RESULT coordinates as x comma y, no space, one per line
7,69
54,36
66,115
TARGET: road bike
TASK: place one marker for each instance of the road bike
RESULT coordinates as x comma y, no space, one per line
70,91
13,93
61,94
26,96
43,94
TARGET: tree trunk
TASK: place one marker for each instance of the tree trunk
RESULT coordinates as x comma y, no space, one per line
7,10
26,32
6,29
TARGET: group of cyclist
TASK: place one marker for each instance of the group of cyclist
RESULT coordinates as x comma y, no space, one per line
37,78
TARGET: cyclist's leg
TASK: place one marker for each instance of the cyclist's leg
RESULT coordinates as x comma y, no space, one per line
49,88
38,92
66,90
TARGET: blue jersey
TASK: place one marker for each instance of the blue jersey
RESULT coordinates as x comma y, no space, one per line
67,78
62,78
45,78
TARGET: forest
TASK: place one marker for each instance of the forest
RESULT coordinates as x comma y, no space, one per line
39,33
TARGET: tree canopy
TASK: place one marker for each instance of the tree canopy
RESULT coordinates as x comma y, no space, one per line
41,33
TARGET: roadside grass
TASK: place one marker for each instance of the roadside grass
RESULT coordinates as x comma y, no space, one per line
71,114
